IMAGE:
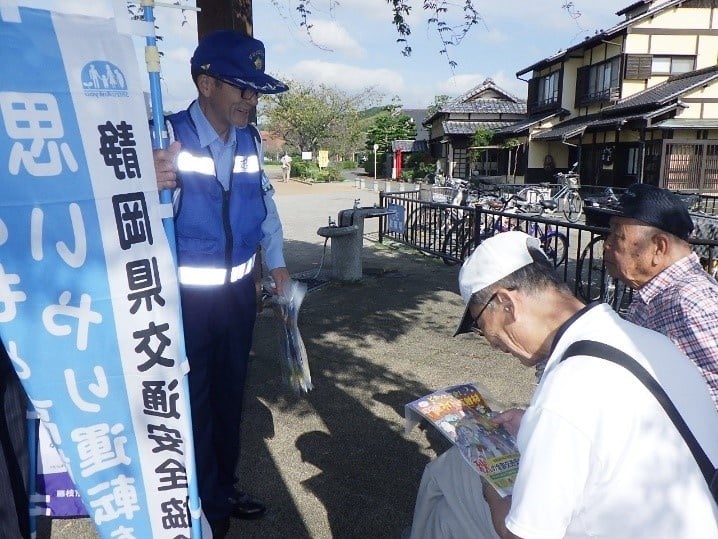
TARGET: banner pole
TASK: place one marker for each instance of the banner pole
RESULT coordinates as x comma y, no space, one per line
160,140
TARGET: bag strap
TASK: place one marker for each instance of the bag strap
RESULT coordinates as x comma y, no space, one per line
610,353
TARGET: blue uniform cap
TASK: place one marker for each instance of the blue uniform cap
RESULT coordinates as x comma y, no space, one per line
236,59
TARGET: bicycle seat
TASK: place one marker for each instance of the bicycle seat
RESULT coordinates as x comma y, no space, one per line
545,184
549,204
495,204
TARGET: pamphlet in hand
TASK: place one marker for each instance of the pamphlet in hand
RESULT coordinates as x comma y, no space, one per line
461,413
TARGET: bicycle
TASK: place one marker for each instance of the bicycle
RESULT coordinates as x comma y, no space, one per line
593,283
429,224
553,242
528,200
567,197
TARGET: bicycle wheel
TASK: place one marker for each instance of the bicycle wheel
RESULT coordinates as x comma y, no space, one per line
592,279
555,245
425,228
452,245
573,206
530,200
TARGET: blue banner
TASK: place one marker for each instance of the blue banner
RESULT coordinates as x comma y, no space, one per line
88,293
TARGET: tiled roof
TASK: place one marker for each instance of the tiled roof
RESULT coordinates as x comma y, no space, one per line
469,128
471,102
519,127
486,106
566,129
477,90
688,123
666,91
599,122
410,146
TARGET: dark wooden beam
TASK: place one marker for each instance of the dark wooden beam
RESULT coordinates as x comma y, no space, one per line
224,15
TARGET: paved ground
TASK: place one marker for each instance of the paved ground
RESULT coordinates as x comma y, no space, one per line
336,463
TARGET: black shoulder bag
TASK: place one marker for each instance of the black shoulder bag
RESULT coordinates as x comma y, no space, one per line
610,353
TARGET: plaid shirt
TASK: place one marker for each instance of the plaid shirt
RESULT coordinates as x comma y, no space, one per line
682,303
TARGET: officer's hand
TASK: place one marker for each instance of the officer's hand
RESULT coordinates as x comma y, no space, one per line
165,167
281,279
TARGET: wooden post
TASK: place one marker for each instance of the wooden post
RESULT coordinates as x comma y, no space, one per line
224,15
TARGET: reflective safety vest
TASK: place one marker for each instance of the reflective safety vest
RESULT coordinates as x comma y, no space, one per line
217,231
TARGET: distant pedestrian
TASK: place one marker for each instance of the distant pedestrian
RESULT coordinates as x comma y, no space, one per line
286,161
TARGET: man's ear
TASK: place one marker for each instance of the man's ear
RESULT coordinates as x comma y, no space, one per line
205,84
661,244
505,302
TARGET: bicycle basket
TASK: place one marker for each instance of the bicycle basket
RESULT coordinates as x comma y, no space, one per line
442,194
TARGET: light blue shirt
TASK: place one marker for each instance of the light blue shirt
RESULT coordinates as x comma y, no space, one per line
223,156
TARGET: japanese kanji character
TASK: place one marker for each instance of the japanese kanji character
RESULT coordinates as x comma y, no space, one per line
121,501
155,356
100,447
35,117
155,399
133,223
117,146
173,473
175,514
167,439
145,283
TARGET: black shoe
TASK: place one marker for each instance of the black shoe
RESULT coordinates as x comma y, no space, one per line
246,507
220,528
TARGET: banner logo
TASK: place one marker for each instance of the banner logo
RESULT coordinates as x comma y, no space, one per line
103,79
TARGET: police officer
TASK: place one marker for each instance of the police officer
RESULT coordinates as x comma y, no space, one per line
224,210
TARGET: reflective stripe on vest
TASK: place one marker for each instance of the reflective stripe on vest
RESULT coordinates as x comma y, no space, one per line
195,276
186,162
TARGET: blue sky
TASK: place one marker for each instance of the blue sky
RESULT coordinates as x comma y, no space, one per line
355,44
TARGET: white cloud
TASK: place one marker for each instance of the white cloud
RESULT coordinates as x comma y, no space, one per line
347,77
332,36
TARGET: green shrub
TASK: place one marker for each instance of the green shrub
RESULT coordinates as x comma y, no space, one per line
304,169
329,174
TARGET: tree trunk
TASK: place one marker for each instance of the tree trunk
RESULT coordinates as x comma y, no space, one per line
224,15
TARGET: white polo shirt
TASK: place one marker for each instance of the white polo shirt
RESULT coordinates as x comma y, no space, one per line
599,456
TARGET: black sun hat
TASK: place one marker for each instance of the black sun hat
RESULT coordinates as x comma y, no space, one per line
656,207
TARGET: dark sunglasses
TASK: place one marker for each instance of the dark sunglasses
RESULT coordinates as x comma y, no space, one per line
247,93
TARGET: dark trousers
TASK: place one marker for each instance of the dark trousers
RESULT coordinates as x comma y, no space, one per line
14,458
218,327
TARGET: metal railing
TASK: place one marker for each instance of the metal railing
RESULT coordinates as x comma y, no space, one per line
452,232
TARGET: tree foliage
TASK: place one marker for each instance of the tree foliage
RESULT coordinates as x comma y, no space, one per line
437,105
388,126
310,118
451,20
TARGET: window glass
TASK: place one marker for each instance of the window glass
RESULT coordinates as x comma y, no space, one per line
661,64
682,65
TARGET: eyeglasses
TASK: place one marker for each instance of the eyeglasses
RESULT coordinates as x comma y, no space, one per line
475,319
249,93
246,93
